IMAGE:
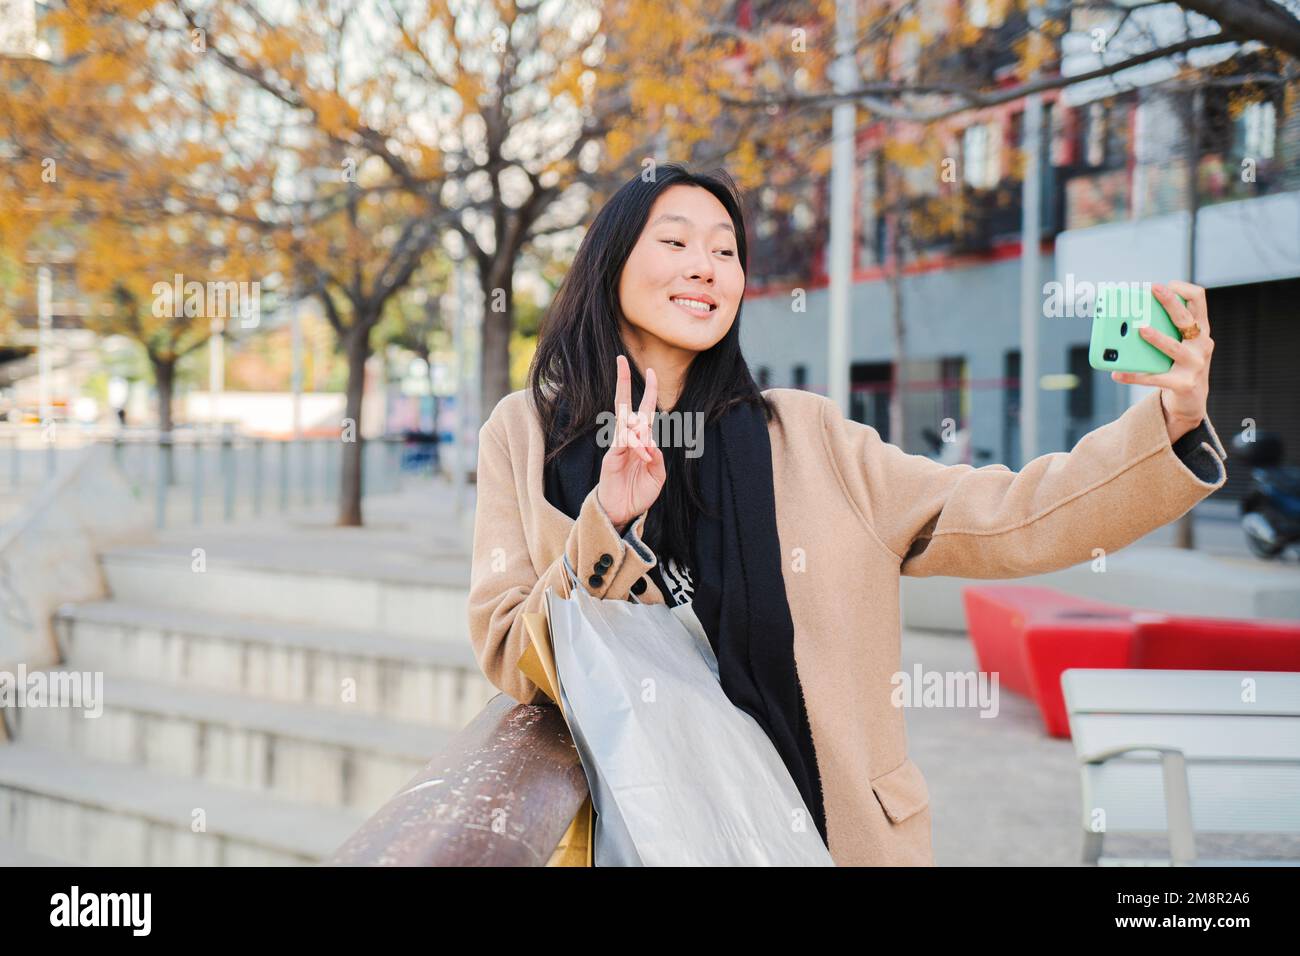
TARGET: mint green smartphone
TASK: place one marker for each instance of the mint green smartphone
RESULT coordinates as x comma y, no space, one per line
1116,346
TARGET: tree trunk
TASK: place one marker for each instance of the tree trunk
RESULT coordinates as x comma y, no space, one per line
164,378
494,343
427,356
356,345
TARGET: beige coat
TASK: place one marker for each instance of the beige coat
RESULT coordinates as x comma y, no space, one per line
853,513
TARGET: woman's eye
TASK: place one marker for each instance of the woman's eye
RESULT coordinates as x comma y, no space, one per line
673,242
726,252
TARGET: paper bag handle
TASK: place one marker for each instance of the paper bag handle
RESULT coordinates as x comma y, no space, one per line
570,576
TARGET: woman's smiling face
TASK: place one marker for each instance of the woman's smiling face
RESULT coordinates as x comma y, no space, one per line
682,282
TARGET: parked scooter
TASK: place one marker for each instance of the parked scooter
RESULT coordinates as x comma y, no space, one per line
1270,512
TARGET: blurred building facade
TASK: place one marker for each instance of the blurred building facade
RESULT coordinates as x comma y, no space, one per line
1115,201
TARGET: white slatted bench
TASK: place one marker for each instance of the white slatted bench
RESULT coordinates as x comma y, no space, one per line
1185,752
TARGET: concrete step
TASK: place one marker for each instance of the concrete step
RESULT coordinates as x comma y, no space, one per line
343,670
59,804
294,751
14,854
323,583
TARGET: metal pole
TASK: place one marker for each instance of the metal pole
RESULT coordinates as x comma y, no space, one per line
284,476
295,326
1030,287
1185,527
840,253
394,468
162,478
228,477
305,447
216,368
462,389
257,475
196,485
1031,308
333,447
45,328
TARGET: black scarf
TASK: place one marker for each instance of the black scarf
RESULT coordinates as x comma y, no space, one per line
739,594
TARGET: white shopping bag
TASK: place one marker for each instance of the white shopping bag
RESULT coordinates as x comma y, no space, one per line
679,776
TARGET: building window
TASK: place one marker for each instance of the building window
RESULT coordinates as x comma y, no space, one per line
870,385
868,199
1094,142
1080,404
1081,394
952,378
980,155
1259,128
1011,408
800,376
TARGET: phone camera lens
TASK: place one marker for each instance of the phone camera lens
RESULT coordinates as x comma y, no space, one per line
1123,329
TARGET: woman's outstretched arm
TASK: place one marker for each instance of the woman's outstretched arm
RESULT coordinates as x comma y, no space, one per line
505,584
1120,482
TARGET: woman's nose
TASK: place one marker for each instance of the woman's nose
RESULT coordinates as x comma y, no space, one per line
701,268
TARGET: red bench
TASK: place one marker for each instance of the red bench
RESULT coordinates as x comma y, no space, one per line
1030,635
1217,644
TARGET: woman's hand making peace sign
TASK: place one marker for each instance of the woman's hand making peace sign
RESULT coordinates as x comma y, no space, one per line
632,472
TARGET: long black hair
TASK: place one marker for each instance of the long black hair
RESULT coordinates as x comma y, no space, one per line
580,337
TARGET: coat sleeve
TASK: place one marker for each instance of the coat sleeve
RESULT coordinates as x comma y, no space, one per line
505,583
1120,482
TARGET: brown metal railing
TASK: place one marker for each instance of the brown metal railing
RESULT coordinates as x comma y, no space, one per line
503,793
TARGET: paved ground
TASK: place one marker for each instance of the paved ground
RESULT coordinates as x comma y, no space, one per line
1003,793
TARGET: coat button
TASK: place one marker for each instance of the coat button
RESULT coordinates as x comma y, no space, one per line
603,563
639,588
595,580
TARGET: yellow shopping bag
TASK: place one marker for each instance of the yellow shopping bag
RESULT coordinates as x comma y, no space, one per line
538,665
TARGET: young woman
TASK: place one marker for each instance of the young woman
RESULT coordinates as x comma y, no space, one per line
785,538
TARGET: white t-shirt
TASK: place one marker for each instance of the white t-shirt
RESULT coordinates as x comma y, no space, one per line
681,588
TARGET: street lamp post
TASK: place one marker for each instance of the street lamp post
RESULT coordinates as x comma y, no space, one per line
840,258
44,337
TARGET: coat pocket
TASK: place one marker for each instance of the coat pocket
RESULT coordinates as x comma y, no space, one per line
902,791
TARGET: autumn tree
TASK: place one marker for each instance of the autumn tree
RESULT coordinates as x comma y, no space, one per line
543,109
99,161
318,152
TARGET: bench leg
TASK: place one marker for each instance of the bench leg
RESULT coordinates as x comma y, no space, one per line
1092,841
1178,809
